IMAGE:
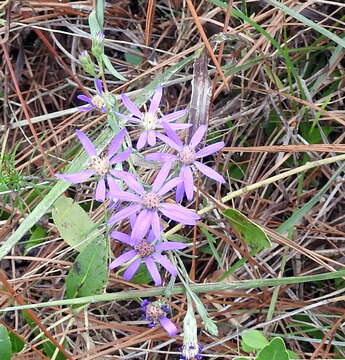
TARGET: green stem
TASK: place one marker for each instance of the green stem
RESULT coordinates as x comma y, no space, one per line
179,289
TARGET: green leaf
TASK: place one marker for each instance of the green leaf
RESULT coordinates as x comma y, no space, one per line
17,344
100,6
246,348
254,339
275,350
211,241
241,358
94,25
89,272
5,344
49,349
142,276
111,68
73,223
251,233
133,59
37,236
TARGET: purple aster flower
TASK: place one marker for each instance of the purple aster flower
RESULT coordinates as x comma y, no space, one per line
96,102
145,250
150,203
156,313
149,121
100,165
187,157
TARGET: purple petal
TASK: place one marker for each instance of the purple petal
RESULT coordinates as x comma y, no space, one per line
179,126
188,181
125,196
99,86
161,177
151,237
172,135
174,116
142,140
131,182
132,269
85,98
122,259
120,174
112,185
116,143
142,225
165,262
100,191
208,150
122,237
170,245
155,101
169,186
198,136
151,137
206,170
132,220
152,268
169,142
124,213
168,326
85,108
179,192
131,107
86,142
77,177
179,213
127,117
155,224
161,157
121,156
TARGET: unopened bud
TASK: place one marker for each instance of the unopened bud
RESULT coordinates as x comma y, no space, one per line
86,63
98,45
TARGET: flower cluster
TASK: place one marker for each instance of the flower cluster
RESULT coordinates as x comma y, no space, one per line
142,203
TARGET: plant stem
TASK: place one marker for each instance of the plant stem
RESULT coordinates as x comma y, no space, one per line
180,289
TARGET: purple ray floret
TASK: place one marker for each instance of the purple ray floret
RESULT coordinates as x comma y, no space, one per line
156,313
188,157
150,204
96,102
144,249
100,166
148,121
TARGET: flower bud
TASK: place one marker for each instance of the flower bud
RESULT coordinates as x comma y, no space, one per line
86,63
190,349
98,45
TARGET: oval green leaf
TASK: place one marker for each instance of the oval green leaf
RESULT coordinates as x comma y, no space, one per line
254,339
251,233
275,350
73,223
